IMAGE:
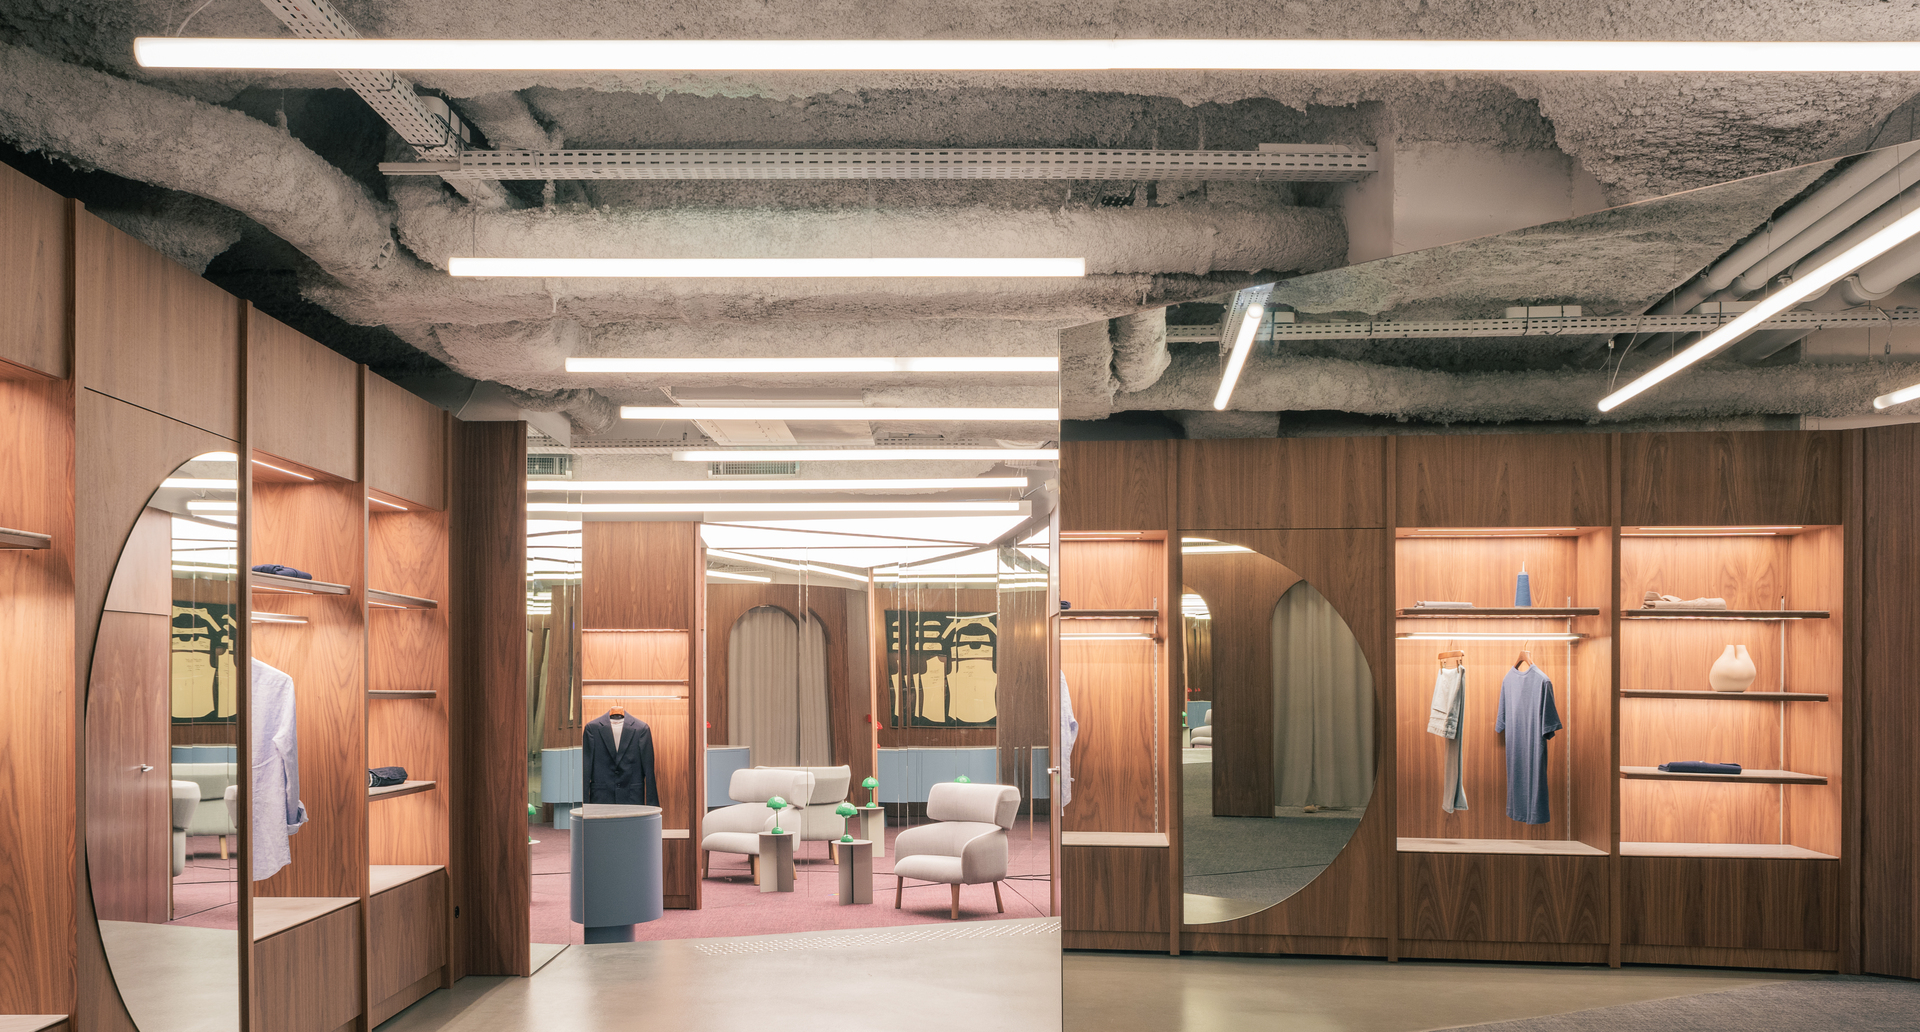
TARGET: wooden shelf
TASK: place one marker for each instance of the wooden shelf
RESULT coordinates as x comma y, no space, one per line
632,680
1507,847
275,914
1756,777
275,618
1723,850
424,693
279,583
403,788
378,599
1725,614
1109,614
1650,693
10,538
1517,612
382,877
1150,839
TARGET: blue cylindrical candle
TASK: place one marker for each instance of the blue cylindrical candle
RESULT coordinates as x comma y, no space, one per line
1522,591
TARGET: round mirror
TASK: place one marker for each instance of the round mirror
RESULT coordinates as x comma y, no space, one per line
162,757
1279,764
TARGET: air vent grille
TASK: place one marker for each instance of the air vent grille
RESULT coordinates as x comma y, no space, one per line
550,465
753,469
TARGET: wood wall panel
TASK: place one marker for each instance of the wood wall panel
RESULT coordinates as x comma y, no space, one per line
407,651
143,578
309,398
1116,764
1776,960
407,437
1504,952
36,269
1021,689
1503,480
1241,590
1889,707
488,699
638,575
634,655
129,833
1115,485
406,932
1593,698
1813,731
1515,899
1730,479
1089,876
1746,904
1270,483
307,978
152,333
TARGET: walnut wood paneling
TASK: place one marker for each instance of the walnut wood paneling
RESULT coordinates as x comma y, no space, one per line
407,445
407,650
1263,483
1812,732
1089,902
307,398
128,827
1889,797
1503,480
36,268
407,941
1020,692
1779,960
307,978
143,579
638,575
488,708
1241,590
1743,904
1594,729
1510,899
1505,952
153,334
1320,945
634,655
1115,485
1730,479
1116,766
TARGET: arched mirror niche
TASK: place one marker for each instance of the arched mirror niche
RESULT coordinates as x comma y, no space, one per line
1278,691
163,847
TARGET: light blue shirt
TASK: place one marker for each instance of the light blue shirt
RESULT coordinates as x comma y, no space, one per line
277,811
1528,718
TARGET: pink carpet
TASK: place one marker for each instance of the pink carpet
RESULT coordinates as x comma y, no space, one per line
732,905
204,893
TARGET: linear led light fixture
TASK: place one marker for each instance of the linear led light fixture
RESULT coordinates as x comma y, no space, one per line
1237,360
704,486
277,618
836,415
1015,55
1904,394
739,576
813,365
770,268
873,455
199,505
775,507
1787,297
1136,636
200,483
775,564
1443,636
390,505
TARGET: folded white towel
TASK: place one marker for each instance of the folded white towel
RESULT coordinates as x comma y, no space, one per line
1675,602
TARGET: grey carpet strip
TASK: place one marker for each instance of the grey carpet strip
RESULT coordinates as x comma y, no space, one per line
786,944
1835,1004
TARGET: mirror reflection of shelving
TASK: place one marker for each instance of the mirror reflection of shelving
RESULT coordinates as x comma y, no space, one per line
1781,589
1474,574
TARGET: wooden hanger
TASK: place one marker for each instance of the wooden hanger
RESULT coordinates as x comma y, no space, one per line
1525,659
618,711
1452,655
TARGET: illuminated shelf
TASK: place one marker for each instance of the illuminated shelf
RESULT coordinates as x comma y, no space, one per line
1109,614
1723,850
1750,776
278,583
1503,847
403,788
1649,693
1725,614
424,693
23,539
1477,613
276,618
378,599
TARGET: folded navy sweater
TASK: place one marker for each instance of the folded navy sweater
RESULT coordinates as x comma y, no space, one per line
1699,767
284,571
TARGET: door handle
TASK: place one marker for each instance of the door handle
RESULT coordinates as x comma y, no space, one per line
145,767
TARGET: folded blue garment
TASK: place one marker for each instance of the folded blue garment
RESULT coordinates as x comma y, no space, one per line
1699,767
284,571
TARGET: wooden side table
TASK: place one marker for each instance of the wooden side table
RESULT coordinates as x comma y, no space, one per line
776,861
856,872
873,827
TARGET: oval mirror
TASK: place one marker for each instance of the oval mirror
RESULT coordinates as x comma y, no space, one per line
1278,767
162,757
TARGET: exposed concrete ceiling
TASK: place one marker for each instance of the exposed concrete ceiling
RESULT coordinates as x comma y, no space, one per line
269,184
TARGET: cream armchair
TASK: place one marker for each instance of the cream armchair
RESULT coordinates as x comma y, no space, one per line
967,844
737,828
820,823
1203,735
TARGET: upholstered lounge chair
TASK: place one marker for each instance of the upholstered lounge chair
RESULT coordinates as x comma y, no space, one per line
820,823
737,828
966,844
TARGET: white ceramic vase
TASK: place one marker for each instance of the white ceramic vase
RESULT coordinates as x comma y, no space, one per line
1733,671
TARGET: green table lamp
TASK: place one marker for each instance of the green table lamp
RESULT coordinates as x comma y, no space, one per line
872,785
777,804
845,809
963,779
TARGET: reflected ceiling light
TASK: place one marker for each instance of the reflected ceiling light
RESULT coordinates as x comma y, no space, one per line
770,268
200,483
1237,360
813,365
1904,394
1444,636
1016,55
775,564
283,469
835,415
872,455
729,575
1786,297
922,483
199,505
774,507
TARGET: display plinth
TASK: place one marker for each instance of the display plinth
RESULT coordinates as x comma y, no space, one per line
616,880
776,861
873,827
856,872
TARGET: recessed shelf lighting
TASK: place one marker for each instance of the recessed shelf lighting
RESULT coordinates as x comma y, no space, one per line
717,505
770,268
705,486
836,415
813,365
1466,636
873,455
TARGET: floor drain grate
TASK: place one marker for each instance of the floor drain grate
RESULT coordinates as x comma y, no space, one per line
986,930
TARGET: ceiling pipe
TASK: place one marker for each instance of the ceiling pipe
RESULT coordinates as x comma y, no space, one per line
1849,211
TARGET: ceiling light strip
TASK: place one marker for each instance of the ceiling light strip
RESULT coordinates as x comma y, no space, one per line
1027,55
770,268
836,414
874,455
706,486
1242,348
717,505
765,366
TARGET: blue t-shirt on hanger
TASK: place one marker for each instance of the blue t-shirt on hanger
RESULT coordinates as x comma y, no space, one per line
1528,717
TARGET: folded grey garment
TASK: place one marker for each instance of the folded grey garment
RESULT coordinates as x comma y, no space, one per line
1443,605
1691,603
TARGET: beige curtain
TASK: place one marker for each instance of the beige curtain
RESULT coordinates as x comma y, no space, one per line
816,734
1199,658
1322,705
777,689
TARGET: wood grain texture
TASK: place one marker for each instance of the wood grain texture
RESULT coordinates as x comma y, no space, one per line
1778,960
407,940
153,334
1889,708
1502,480
308,978
36,268
1730,479
1595,731
653,655
307,398
1089,902
1512,899
1020,689
638,575
486,609
407,444
1812,739
320,528
1295,482
1116,766
1505,952
128,827
1320,945
1743,904
143,579
1115,485
407,650
1241,590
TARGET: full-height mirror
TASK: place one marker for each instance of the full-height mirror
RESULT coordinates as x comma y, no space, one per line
163,847
1279,692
